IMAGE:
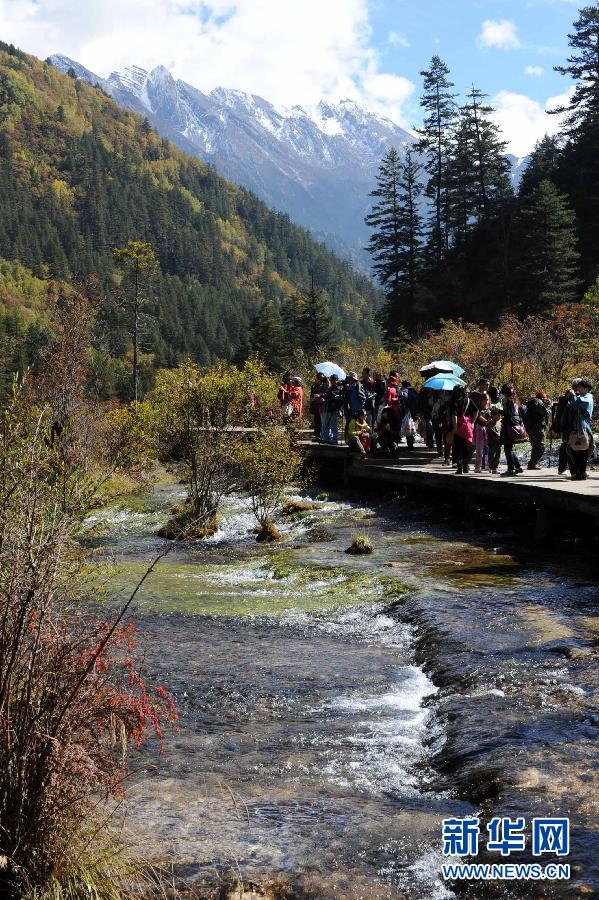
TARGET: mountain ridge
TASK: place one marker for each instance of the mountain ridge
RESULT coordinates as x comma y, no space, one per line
80,176
318,164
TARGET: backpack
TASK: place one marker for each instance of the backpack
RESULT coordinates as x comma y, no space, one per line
532,412
391,398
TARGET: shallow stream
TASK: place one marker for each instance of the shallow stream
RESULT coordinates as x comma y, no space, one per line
334,709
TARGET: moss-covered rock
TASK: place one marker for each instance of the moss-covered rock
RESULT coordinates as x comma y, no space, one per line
184,525
297,507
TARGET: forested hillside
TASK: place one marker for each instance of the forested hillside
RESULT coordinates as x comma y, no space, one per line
79,177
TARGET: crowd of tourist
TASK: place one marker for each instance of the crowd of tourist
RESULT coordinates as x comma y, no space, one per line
377,413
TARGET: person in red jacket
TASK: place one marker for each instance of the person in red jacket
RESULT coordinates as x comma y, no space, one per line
296,397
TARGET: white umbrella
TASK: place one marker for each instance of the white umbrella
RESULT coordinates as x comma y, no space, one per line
441,365
330,368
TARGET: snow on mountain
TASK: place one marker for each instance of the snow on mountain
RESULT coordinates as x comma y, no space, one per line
318,164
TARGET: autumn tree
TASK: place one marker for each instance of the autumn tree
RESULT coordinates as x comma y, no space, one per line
269,461
197,416
73,699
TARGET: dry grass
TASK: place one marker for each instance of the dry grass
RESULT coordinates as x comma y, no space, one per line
361,544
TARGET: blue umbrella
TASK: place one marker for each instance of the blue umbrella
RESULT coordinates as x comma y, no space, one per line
442,365
444,382
330,368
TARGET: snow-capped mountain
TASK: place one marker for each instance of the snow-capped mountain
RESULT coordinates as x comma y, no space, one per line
317,164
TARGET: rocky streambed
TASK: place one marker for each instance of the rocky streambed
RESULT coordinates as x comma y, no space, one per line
334,708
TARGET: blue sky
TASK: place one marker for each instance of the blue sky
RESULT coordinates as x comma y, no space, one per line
517,56
299,51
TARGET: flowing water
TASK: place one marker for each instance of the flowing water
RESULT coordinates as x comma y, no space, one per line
334,709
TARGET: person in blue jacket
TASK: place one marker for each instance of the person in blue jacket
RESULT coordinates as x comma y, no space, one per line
576,420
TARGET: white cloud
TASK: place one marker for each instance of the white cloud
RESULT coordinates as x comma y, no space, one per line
399,40
534,71
524,121
501,34
295,51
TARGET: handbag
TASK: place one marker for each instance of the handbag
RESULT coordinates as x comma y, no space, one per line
287,410
407,425
517,433
578,441
464,428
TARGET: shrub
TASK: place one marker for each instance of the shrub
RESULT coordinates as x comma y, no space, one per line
360,544
269,462
73,699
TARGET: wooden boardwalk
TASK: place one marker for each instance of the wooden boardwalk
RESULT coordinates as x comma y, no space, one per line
550,495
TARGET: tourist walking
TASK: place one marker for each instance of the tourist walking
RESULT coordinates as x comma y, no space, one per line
560,425
463,415
494,439
284,398
410,408
535,415
296,397
512,429
380,387
332,408
317,392
481,425
577,416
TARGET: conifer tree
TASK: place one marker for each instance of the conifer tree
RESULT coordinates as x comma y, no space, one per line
140,264
395,243
549,261
267,338
579,170
436,137
583,68
488,165
542,165
313,322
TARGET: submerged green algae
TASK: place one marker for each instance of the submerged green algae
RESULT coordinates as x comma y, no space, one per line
254,587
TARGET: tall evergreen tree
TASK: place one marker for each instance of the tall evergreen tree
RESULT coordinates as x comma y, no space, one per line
488,166
140,265
396,240
436,137
548,270
313,322
267,337
583,68
579,169
542,165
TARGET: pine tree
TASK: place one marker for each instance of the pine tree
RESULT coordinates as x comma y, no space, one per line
140,264
488,164
313,322
395,243
267,337
579,169
542,165
548,270
436,136
583,68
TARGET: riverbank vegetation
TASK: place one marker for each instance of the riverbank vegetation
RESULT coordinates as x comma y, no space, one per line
73,696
